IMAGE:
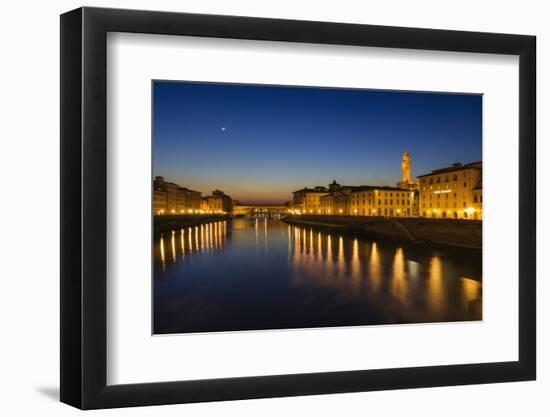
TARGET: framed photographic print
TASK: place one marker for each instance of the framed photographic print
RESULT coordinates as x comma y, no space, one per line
257,208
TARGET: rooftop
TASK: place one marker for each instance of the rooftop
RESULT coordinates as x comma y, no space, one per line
318,189
374,187
453,168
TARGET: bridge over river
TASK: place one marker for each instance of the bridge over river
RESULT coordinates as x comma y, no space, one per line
255,209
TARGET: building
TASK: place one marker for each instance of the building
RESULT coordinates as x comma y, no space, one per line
407,184
381,201
170,198
308,200
170,192
342,200
477,204
363,200
159,201
189,201
219,202
327,204
453,192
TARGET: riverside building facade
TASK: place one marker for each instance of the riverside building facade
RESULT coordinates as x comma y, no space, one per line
362,200
308,200
219,202
170,198
381,201
453,192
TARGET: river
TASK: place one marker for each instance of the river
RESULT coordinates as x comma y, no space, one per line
260,273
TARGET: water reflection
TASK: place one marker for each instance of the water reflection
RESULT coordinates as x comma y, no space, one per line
191,240
261,273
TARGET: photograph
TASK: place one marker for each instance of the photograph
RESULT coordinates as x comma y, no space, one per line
301,207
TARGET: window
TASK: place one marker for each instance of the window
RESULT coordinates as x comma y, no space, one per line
475,198
464,185
455,177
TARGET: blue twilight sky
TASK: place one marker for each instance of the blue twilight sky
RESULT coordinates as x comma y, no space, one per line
260,143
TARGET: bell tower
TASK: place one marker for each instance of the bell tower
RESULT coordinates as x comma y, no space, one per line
406,167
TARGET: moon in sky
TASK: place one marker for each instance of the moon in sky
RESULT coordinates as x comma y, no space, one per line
223,129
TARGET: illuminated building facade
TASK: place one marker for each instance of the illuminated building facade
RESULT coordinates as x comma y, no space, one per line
219,202
381,201
363,200
327,204
204,204
453,192
159,201
407,184
308,200
170,198
477,204
170,191
342,200
188,200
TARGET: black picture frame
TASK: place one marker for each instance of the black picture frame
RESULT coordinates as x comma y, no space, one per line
84,207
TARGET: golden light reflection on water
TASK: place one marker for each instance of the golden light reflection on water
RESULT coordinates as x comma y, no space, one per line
383,273
162,255
398,280
341,260
195,239
471,288
436,295
173,244
355,262
374,267
182,243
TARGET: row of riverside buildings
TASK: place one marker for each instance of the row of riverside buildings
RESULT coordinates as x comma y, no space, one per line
453,192
170,198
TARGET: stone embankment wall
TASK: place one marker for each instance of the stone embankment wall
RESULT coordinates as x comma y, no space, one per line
463,233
